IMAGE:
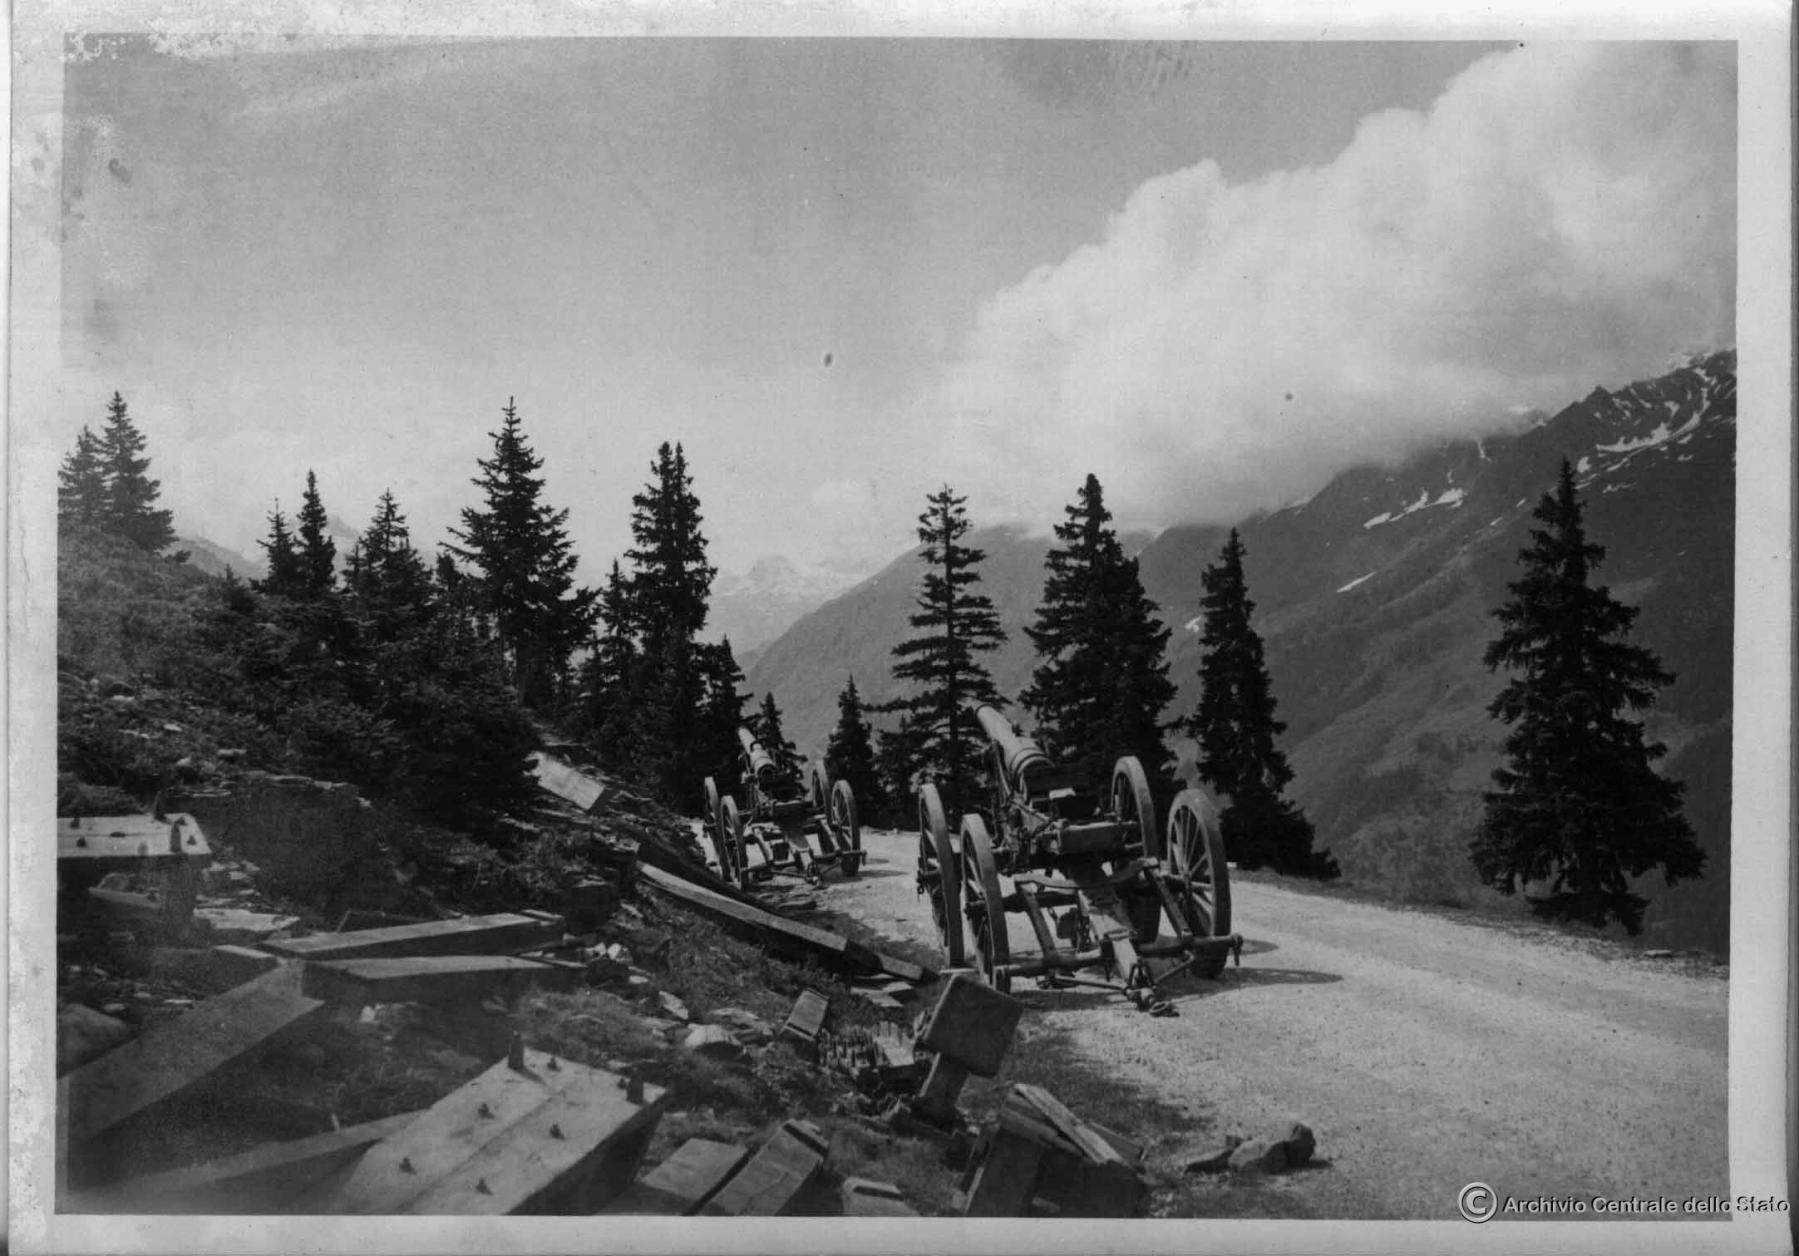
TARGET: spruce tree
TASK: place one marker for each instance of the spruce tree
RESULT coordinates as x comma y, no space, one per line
897,757
285,577
773,737
130,493
521,547
384,574
1236,730
955,625
671,581
608,674
318,552
850,753
81,490
721,714
1579,802
1103,683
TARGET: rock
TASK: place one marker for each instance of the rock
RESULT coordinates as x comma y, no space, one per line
714,1042
114,1009
232,754
82,1034
673,1006
1658,954
1273,1153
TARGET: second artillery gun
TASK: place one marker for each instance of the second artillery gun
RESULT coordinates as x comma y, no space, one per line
1095,857
798,822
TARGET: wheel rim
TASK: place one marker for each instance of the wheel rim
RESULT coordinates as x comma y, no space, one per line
711,822
981,900
1132,802
730,826
1198,873
843,815
937,871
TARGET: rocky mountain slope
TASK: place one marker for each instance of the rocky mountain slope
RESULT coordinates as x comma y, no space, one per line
1375,601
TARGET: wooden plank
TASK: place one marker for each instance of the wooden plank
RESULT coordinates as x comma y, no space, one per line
834,948
1026,1114
121,843
1091,1144
568,784
808,1016
905,969
469,935
432,978
257,1181
532,1139
685,1182
776,1181
169,1058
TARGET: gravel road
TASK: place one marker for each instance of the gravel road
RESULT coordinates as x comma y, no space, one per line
1424,1052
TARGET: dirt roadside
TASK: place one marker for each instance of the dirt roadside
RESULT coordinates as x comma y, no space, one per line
1425,1053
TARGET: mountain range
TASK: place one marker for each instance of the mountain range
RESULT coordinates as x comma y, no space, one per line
1375,598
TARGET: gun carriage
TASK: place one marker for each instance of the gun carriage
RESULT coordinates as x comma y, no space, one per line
799,822
1089,870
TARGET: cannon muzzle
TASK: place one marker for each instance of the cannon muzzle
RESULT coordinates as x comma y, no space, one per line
760,760
1016,752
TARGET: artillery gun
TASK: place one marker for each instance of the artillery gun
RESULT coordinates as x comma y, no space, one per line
1089,870
796,822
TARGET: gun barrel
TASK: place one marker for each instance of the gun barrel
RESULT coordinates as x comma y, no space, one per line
1016,752
760,759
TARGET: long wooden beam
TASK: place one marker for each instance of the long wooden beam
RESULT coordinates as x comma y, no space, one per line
432,978
833,948
262,1180
467,935
177,1053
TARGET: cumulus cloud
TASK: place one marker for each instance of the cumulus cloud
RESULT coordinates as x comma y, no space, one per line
1562,216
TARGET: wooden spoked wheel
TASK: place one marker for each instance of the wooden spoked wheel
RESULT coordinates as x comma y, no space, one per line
1197,876
709,823
981,903
845,829
730,827
938,878
818,789
1133,804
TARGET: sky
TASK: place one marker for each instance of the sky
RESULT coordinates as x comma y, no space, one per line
846,272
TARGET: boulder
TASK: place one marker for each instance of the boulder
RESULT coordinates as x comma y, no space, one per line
713,1041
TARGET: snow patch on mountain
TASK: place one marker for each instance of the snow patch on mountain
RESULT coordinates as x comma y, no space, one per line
1353,583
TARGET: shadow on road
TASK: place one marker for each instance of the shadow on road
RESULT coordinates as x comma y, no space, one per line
1185,987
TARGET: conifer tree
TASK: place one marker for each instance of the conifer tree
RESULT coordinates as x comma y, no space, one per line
521,547
81,495
318,552
850,753
384,574
721,714
773,737
897,757
1579,802
1103,683
955,625
671,580
1236,730
611,669
130,493
285,577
